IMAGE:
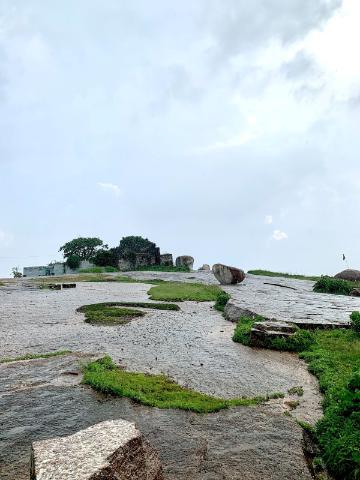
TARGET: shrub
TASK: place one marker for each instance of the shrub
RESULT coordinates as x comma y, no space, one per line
73,262
300,341
105,258
355,321
333,285
221,301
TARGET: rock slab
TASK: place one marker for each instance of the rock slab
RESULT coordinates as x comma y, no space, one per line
228,275
185,261
349,274
111,450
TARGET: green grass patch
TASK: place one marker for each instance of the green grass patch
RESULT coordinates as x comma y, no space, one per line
162,268
335,285
333,356
105,314
178,292
119,313
33,356
157,390
268,273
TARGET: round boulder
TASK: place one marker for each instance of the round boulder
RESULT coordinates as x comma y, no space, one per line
349,274
228,275
185,261
204,268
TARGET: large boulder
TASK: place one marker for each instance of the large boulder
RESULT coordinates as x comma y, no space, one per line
349,274
110,450
166,260
228,275
204,268
185,261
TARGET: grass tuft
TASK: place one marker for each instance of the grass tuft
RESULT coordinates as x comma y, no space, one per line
157,390
33,356
221,301
334,285
178,292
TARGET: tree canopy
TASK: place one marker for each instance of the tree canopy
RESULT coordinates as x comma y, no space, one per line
84,247
131,245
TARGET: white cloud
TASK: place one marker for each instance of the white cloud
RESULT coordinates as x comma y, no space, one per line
111,188
279,235
268,219
233,142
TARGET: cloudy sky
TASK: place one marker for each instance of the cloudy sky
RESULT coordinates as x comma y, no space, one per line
224,129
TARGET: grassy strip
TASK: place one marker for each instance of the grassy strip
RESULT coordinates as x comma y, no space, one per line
268,273
157,390
178,292
335,285
162,268
32,356
333,356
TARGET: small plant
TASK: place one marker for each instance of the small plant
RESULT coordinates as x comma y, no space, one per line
243,329
299,391
355,321
221,301
16,273
333,285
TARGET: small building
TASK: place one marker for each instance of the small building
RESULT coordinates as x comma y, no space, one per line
54,269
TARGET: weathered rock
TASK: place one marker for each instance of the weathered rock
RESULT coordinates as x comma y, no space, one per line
185,261
204,268
110,450
166,259
349,274
355,292
228,275
263,332
233,312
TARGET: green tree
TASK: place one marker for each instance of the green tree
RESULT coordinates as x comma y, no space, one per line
84,247
130,246
106,258
73,261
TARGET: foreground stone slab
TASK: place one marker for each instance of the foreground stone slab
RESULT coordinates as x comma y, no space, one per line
228,275
111,450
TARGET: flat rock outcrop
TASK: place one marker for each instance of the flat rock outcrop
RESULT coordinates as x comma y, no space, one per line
228,275
349,274
185,261
110,450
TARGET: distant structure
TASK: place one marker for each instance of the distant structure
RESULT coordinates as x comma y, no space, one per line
54,269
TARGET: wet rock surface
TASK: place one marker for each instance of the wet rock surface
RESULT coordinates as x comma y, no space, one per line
244,442
41,399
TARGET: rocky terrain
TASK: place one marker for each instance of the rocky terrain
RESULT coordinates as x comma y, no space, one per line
43,398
